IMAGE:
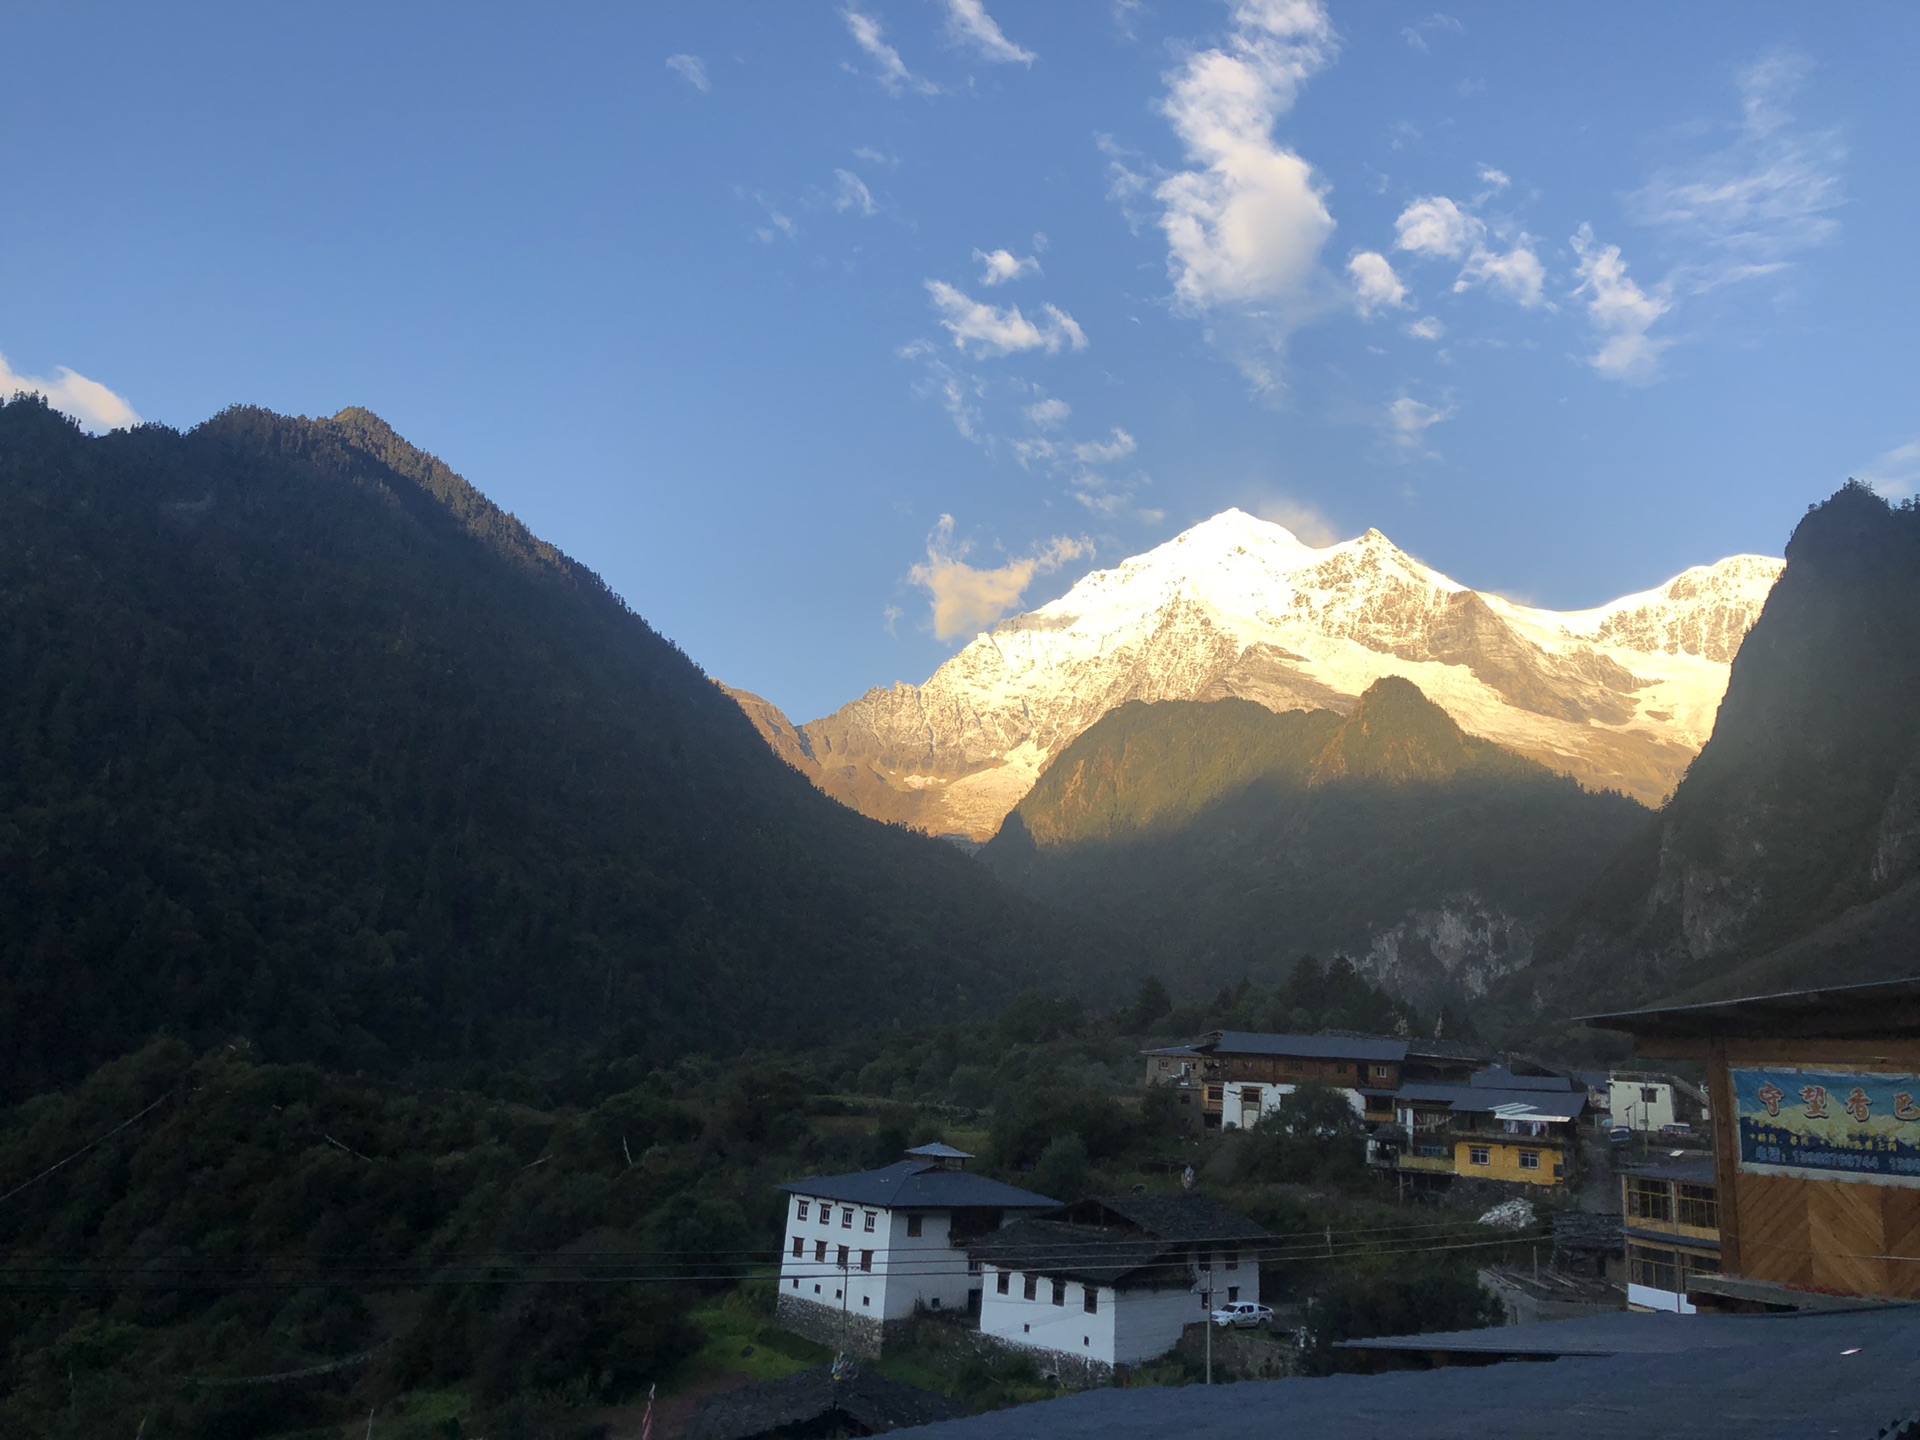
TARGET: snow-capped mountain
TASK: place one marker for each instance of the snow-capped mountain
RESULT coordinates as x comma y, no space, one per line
1621,696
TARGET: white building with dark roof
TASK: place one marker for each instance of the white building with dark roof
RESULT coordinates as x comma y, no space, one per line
863,1250
1114,1281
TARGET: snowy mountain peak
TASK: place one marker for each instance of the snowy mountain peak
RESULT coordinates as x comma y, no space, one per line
1621,696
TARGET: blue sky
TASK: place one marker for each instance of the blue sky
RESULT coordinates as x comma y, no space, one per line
826,333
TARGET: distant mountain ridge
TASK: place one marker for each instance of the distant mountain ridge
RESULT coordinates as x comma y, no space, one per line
1790,854
303,739
1620,696
1228,839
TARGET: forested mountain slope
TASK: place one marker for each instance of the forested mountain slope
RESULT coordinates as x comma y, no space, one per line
1230,839
1790,854
301,738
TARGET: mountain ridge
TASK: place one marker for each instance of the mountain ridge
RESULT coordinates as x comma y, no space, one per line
1621,695
303,739
1228,839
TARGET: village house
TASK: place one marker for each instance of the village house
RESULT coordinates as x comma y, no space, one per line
1815,1101
1672,1213
1114,1281
1640,1102
1520,1129
863,1251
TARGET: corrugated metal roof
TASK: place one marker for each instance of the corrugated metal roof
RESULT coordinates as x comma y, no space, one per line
1185,1218
1694,1170
1768,1377
920,1185
1525,1104
1306,1047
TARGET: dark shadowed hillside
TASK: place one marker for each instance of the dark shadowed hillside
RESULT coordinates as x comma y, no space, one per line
301,738
1790,854
1231,839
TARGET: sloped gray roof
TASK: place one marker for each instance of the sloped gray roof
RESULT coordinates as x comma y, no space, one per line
920,1185
1485,1099
1499,1077
1737,1377
780,1407
1689,1170
1184,1218
1306,1047
939,1150
1081,1252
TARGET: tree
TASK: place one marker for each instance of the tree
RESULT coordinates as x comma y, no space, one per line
1150,1004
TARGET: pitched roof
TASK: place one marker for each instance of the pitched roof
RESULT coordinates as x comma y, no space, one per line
1579,1230
1082,1252
1689,1170
1506,1104
776,1407
919,1185
1888,1009
1499,1077
1734,1377
937,1150
1184,1218
1305,1047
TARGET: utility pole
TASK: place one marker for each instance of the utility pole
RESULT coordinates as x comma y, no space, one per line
1209,1320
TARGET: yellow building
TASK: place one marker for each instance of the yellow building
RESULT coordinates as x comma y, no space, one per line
1672,1223
1517,1129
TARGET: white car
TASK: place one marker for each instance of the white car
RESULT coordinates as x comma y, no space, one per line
1243,1315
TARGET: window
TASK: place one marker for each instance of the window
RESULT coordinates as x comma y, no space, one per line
1697,1205
1477,1155
1649,1200
866,1261
1032,1287
1649,1095
846,1217
1233,1293
803,1209
1233,1259
820,1252
1060,1292
1529,1159
913,1227
841,1258
796,1282
866,1299
826,1214
1000,1282
934,1304
1656,1269
1090,1299
870,1220
1382,1072
799,1247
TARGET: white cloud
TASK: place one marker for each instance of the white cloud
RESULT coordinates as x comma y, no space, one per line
1246,223
1895,473
990,330
1436,227
969,23
1375,286
1427,327
692,69
1408,421
1494,179
852,193
1105,452
1416,34
958,393
1767,194
892,72
1003,266
966,600
1049,412
1304,519
1620,310
876,157
95,406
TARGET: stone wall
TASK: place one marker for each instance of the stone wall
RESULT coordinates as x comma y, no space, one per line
829,1326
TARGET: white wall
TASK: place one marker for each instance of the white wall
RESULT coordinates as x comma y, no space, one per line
1233,1100
1624,1103
1651,1299
1129,1326
906,1269
1042,1325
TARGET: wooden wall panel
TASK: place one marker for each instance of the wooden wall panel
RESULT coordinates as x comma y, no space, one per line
1774,1230
1900,1227
1846,1233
